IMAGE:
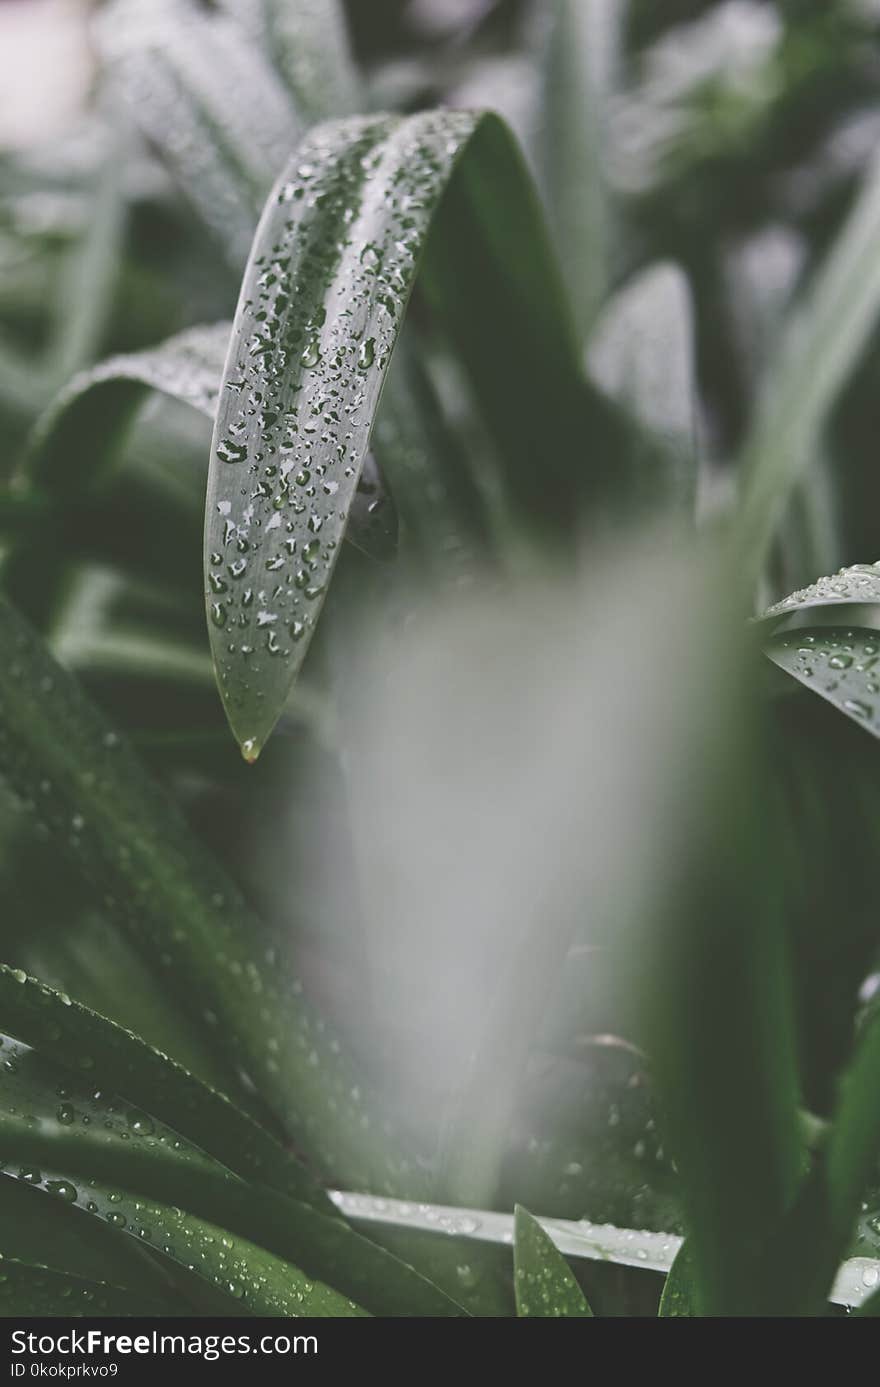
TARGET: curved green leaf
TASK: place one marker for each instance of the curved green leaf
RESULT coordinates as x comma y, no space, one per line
89,796
858,584
332,267
840,664
543,1282
822,343
35,1292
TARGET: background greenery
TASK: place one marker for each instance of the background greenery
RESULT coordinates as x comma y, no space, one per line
552,885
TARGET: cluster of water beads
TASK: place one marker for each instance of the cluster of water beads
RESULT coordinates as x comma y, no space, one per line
859,583
842,665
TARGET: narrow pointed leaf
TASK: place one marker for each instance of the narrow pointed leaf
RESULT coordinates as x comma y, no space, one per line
823,341
840,664
543,1282
332,267
678,1297
642,353
578,75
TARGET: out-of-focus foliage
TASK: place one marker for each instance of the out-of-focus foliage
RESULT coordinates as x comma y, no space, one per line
551,887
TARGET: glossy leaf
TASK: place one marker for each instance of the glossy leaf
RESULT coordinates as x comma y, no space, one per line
840,664
89,796
332,268
544,1284
859,585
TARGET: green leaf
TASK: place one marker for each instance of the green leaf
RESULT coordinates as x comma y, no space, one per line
823,341
89,796
840,664
858,584
332,267
544,1284
36,1292
678,1290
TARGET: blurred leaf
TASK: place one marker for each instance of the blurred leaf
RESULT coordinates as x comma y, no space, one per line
720,1026
824,340
309,47
544,1284
578,73
840,664
209,101
641,352
331,270
586,1140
